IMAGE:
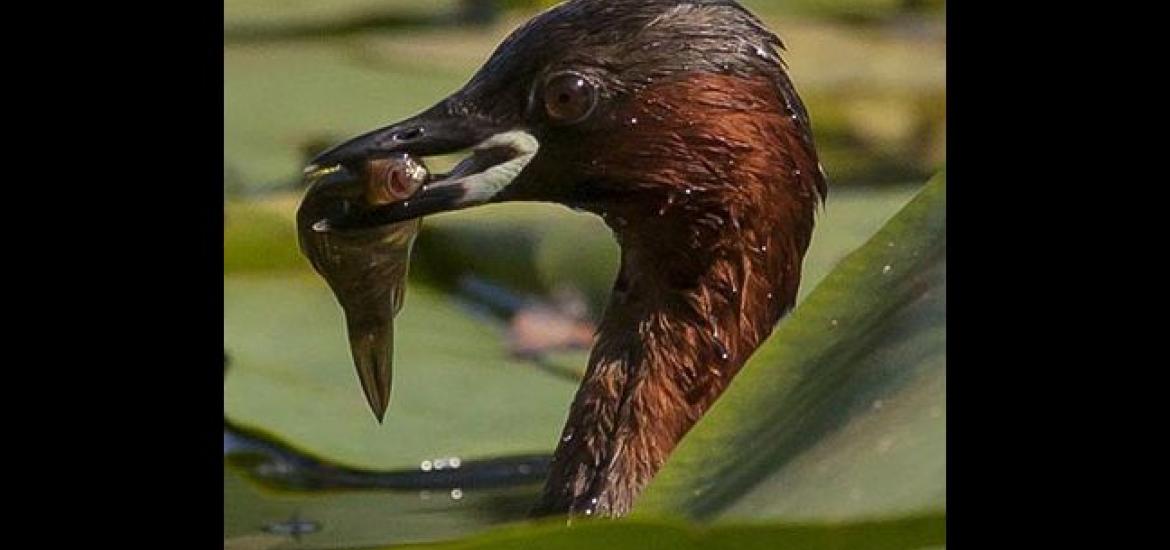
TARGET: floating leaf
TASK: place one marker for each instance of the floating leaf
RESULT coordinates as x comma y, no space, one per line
908,533
455,386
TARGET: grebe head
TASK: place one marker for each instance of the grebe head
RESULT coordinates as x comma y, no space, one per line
606,106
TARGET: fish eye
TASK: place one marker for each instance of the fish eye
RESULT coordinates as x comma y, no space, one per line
569,98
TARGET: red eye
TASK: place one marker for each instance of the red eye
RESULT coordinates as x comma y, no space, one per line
569,98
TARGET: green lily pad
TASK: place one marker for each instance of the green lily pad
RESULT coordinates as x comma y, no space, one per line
455,388
275,13
277,99
842,413
904,533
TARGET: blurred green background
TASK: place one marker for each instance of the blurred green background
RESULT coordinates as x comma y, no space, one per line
300,75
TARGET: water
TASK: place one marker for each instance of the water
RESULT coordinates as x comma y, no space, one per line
271,490
294,527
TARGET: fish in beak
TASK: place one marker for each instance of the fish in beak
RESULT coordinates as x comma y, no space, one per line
499,154
365,268
360,216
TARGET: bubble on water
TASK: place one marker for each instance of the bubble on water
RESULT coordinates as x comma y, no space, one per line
294,527
274,468
426,466
456,494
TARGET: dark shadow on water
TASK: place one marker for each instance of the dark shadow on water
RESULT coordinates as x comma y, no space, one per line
275,464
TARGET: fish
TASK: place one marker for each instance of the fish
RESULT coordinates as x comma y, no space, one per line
365,268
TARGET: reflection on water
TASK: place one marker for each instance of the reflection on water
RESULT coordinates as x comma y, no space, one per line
272,490
294,527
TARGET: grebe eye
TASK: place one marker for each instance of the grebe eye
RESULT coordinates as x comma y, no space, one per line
569,98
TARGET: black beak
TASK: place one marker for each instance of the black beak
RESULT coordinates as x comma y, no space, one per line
437,131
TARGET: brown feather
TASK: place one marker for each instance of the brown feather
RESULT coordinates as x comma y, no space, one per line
707,270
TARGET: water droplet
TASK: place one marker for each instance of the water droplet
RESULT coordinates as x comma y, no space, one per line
834,323
890,244
764,248
721,351
665,206
456,494
769,295
688,191
796,172
568,437
426,466
633,120
589,511
887,269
